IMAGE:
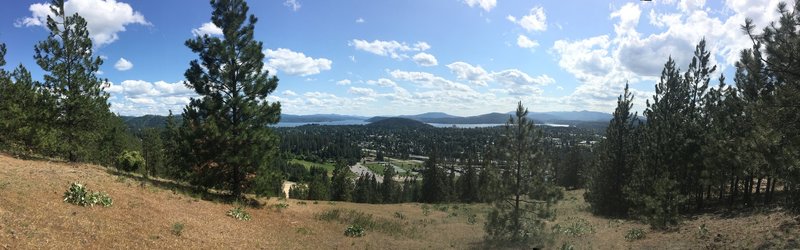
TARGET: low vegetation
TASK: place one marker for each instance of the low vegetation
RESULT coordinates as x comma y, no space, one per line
239,214
78,194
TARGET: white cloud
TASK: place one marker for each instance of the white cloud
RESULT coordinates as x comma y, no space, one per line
383,82
289,93
360,20
393,49
536,20
352,58
343,82
428,80
474,74
296,63
486,5
208,28
123,65
104,18
425,59
294,4
138,97
362,91
526,43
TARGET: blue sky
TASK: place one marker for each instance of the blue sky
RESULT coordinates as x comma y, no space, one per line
366,57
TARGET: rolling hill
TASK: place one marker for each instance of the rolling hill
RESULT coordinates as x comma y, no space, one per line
399,123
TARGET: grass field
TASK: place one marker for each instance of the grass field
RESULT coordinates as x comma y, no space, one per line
327,166
34,216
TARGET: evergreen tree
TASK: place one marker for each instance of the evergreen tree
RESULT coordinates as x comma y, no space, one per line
389,186
70,78
153,152
614,161
469,185
519,215
226,125
319,188
433,185
341,183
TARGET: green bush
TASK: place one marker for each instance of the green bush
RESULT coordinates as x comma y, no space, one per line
130,161
635,234
177,228
79,195
354,231
239,214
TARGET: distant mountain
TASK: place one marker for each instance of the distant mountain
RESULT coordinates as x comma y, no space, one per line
138,123
399,123
429,115
319,118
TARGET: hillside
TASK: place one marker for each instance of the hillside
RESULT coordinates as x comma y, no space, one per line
33,216
399,123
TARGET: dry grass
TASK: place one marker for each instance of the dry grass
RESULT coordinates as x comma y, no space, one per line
33,216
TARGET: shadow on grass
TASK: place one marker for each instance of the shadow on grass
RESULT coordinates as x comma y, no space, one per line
190,190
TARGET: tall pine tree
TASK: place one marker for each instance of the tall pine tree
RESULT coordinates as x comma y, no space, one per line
80,102
227,125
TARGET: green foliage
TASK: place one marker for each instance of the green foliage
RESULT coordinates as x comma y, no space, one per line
177,229
78,194
576,227
367,221
153,152
702,232
239,214
75,93
226,126
355,231
298,191
130,161
635,234
341,183
399,215
519,215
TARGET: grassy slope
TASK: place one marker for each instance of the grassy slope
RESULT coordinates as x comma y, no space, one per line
327,166
32,215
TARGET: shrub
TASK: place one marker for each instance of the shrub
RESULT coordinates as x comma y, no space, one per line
399,215
79,195
635,234
130,161
239,214
702,231
576,228
472,219
354,231
177,228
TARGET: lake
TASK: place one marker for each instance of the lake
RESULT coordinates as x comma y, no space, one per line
438,125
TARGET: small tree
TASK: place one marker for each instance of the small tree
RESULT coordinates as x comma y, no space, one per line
130,161
341,183
525,203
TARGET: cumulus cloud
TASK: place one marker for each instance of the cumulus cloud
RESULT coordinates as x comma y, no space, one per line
104,18
512,81
289,93
138,97
343,82
486,5
526,43
393,49
296,63
425,59
474,74
362,91
208,28
294,4
360,20
123,65
536,20
428,80
383,82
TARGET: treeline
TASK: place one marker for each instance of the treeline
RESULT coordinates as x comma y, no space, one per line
732,144
67,114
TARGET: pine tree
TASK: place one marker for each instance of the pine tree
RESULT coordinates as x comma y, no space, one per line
613,162
153,152
519,215
469,185
70,78
341,183
226,125
388,186
433,186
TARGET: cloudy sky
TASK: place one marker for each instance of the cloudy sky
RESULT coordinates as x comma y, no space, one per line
365,57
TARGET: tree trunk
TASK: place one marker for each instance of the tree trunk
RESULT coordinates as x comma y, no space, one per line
734,190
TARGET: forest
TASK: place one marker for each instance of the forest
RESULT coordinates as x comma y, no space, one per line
705,141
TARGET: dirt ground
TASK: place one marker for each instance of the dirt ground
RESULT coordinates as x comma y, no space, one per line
34,216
